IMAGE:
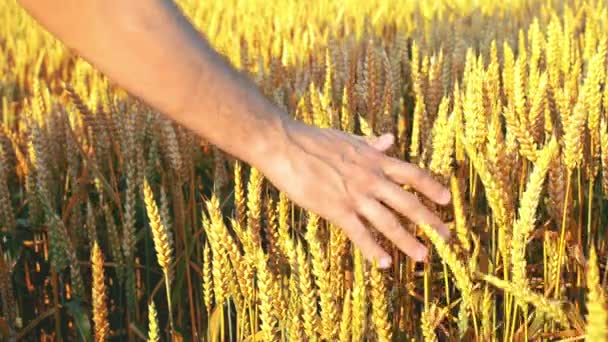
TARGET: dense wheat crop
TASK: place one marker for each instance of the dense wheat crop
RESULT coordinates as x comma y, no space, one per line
117,224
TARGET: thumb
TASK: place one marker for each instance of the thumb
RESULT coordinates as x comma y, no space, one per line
381,143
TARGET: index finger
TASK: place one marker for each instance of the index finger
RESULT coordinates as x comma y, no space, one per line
421,180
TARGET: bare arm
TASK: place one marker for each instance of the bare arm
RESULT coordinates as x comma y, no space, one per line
150,49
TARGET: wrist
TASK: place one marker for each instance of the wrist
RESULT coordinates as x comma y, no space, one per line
271,143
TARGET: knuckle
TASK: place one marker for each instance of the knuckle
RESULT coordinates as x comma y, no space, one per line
409,200
395,165
366,181
417,174
427,217
351,194
404,201
373,153
373,182
360,203
354,149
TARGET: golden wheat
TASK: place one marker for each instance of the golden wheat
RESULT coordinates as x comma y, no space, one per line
100,305
504,101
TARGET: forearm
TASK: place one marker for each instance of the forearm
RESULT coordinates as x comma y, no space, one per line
150,49
147,47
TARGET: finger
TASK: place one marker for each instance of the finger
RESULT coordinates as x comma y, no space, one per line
408,205
387,224
380,143
362,238
406,173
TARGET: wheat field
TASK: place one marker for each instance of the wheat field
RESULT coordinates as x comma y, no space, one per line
117,224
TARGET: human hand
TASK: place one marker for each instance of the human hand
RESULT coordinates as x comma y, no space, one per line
348,180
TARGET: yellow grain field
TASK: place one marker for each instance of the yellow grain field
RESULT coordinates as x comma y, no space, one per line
117,224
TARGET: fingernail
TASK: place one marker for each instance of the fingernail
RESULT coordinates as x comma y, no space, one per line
385,262
389,138
446,196
385,140
421,254
444,231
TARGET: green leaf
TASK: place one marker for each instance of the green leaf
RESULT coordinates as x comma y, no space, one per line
81,318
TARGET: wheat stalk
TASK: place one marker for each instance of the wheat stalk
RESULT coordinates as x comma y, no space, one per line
525,224
100,306
427,320
379,305
153,328
163,243
321,269
597,317
549,307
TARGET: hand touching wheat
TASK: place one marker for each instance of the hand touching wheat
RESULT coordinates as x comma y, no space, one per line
336,175
349,181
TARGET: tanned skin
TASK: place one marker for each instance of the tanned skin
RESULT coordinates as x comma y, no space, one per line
150,49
